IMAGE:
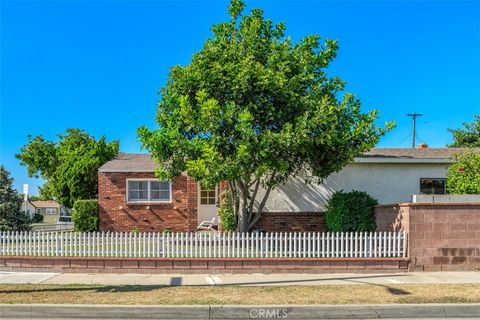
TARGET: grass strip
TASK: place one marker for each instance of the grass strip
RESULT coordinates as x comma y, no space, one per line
220,295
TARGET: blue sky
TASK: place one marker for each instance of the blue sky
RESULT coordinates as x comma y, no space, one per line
98,65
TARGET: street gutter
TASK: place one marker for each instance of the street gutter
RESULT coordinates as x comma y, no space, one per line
381,311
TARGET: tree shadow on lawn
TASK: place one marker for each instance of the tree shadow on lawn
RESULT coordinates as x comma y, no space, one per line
93,288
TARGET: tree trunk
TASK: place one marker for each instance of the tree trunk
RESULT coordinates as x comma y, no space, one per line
243,222
242,213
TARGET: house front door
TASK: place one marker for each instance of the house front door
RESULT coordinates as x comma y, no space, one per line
207,204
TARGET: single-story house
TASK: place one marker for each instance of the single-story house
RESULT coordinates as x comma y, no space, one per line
132,198
50,210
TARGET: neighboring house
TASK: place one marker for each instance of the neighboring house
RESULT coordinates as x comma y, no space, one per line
130,197
50,210
28,208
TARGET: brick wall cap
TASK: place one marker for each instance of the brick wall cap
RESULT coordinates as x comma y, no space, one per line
202,259
429,204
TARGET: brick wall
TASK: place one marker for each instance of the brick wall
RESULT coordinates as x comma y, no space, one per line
202,265
116,214
291,221
441,236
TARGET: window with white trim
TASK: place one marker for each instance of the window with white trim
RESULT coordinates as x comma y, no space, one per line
148,191
51,211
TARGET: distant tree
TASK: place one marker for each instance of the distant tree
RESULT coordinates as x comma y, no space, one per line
11,216
468,136
36,198
463,176
253,109
68,166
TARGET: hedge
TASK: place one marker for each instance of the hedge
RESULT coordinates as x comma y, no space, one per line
85,215
350,212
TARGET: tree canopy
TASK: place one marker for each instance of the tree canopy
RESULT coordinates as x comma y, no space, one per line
11,216
463,175
468,136
254,108
68,166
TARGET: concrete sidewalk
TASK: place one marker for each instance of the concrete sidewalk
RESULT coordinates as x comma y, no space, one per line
240,279
396,311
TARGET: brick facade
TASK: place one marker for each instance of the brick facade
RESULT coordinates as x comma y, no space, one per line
180,215
291,221
441,236
117,215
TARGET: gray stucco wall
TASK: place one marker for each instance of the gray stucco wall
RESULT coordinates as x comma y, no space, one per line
387,182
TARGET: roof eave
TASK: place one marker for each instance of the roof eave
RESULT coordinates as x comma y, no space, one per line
125,171
401,160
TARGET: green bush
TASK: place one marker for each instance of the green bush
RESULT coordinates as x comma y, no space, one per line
228,220
37,218
350,211
463,175
85,215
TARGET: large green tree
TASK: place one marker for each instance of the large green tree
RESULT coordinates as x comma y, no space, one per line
68,166
468,136
253,108
11,216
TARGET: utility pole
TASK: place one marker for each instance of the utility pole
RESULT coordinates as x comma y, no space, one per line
414,120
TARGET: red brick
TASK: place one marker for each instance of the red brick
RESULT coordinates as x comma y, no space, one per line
269,264
131,264
98,264
432,268
164,264
424,227
233,264
438,226
62,263
113,264
78,263
146,264
460,226
356,265
198,264
251,264
181,264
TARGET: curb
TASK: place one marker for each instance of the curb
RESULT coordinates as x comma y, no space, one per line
55,311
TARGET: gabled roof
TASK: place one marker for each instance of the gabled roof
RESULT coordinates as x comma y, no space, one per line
130,162
141,162
45,204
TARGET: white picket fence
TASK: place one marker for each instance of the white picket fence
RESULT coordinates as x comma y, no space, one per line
205,245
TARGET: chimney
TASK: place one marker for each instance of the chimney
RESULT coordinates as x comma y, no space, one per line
422,146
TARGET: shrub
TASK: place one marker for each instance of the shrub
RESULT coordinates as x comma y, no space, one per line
226,213
463,175
37,218
351,211
85,215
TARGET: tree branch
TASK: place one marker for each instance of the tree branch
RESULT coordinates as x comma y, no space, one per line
254,195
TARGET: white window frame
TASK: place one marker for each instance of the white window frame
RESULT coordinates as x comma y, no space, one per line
49,213
148,192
